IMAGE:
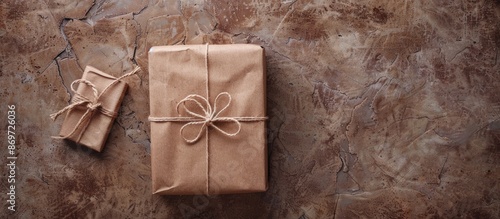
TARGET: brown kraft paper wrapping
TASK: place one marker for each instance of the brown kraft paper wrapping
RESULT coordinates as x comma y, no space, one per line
93,130
230,164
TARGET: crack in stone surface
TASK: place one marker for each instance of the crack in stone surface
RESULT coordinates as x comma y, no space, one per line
62,81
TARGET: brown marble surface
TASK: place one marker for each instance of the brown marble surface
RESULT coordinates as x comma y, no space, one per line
378,109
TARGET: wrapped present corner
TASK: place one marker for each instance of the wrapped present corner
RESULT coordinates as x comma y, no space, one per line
93,108
207,114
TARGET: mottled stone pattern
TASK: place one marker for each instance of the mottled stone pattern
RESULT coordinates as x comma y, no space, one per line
378,109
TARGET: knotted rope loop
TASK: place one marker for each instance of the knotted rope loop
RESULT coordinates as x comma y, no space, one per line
81,100
205,116
209,119
92,104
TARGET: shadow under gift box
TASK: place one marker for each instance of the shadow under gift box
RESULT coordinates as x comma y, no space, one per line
216,163
94,135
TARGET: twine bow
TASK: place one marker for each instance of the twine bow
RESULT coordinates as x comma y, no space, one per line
92,104
208,118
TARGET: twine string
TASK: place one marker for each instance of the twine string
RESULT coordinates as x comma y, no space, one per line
91,104
208,117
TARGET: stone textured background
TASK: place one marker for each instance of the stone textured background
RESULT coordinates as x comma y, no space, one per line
378,109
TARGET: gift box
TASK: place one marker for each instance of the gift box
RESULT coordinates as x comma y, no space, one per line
207,113
93,108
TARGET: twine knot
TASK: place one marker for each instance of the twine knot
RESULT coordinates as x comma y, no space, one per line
209,118
79,100
92,104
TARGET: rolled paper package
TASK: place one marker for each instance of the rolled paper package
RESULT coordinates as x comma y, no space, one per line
207,113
